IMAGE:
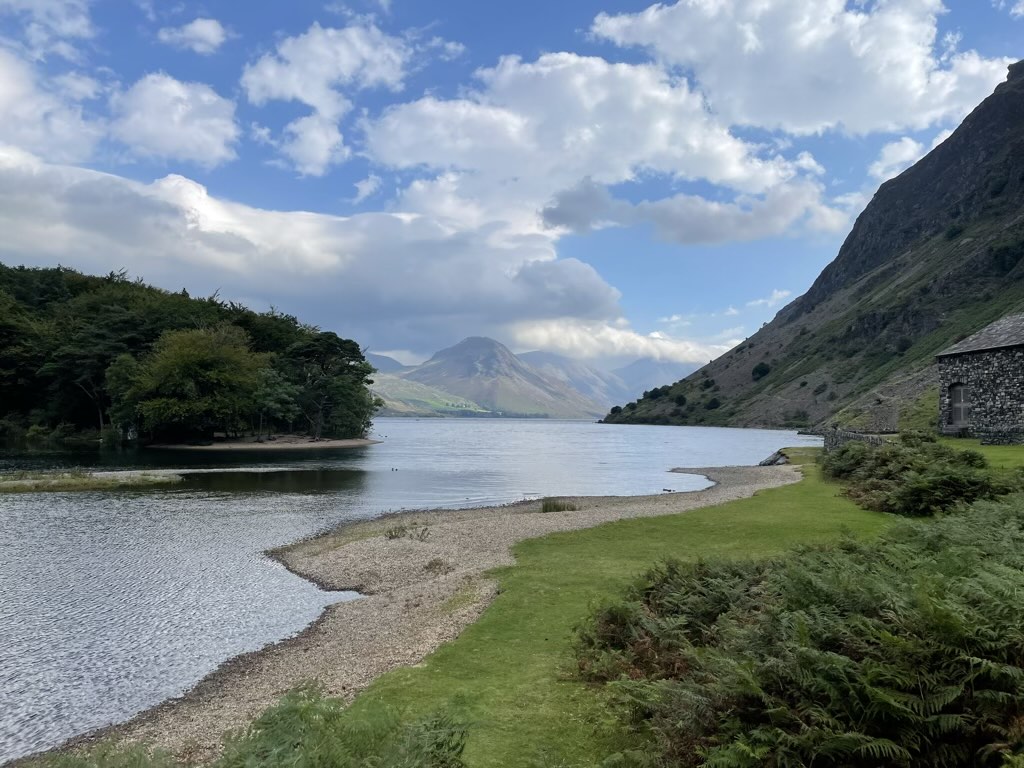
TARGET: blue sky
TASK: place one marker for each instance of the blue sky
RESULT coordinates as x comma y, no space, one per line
607,180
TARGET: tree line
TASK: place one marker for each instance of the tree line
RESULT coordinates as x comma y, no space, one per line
109,354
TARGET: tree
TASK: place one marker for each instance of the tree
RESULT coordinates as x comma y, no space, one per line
196,382
333,379
275,399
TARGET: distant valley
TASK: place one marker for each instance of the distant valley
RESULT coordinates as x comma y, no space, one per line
481,377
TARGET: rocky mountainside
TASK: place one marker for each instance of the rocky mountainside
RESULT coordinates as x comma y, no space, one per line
603,387
486,373
936,255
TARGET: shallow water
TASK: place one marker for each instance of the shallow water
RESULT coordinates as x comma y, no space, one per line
113,601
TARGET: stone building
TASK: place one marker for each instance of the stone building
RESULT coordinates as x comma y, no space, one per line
981,384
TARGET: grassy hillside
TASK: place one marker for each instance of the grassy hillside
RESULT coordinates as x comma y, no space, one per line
935,256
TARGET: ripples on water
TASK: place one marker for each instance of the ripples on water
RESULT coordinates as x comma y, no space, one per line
111,602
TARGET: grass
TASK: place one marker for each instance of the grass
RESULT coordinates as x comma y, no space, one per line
551,504
999,456
35,482
508,674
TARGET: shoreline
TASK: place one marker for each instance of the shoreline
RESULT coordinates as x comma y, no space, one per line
281,443
422,579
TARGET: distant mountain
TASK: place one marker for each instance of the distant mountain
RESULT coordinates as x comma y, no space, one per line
383,363
602,387
935,256
646,374
485,372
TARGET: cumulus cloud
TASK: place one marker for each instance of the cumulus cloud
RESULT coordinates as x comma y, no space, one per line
392,280
315,69
896,156
806,66
776,298
166,118
581,339
204,36
366,188
48,123
691,219
51,25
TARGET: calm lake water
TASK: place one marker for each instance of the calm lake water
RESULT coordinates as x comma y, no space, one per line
112,602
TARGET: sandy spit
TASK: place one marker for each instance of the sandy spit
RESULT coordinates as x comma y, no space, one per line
408,610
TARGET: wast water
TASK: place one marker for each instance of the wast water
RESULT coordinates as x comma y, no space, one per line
113,601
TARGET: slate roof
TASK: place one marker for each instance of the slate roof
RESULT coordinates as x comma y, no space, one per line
1005,332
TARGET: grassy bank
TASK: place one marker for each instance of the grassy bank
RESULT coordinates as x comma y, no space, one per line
35,482
508,675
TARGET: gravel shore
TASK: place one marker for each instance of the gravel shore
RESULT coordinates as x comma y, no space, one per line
421,589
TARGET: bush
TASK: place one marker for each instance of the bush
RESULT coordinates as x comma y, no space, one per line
760,371
680,400
914,477
616,409
713,403
905,651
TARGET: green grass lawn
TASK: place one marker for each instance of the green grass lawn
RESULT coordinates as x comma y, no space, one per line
999,456
510,675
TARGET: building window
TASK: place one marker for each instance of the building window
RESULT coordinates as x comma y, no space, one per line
959,405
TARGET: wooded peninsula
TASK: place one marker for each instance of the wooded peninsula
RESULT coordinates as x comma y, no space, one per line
112,358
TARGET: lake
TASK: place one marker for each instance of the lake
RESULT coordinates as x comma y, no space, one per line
113,601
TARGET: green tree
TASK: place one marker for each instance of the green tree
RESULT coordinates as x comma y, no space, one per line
333,381
197,381
275,399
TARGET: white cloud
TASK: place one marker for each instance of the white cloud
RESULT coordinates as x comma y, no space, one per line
43,122
581,339
312,144
805,66
692,219
895,157
314,68
776,298
352,274
166,118
204,36
49,25
366,188
1016,7
731,312
564,117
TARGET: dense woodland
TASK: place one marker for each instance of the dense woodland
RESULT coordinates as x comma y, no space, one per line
115,357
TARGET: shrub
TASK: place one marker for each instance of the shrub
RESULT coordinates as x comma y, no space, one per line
820,388
760,370
552,504
616,409
437,566
954,231
680,400
712,404
631,406
915,477
904,651
396,532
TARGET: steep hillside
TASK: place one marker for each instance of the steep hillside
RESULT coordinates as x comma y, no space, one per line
602,387
937,254
487,373
403,397
383,363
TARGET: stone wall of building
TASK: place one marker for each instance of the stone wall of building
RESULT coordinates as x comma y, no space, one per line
996,393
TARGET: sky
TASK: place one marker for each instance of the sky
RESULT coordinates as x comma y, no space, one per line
602,179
